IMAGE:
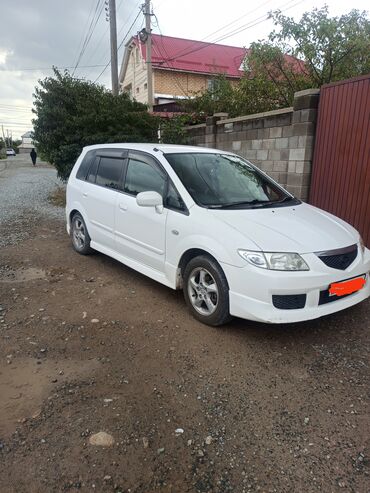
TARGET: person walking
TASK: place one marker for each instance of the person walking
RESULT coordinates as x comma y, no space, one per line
33,155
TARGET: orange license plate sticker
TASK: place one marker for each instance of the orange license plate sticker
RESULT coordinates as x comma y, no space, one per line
346,287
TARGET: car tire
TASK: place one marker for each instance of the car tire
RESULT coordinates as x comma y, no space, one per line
206,291
79,235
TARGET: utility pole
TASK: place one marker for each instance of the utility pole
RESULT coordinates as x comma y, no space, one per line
113,46
2,127
148,30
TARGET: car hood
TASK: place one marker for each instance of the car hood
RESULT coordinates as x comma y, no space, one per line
301,228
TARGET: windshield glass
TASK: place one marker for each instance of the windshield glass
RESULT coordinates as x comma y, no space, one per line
224,180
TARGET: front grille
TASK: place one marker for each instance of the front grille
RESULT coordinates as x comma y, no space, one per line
340,260
289,301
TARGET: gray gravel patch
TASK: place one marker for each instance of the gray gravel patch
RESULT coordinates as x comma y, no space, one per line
24,193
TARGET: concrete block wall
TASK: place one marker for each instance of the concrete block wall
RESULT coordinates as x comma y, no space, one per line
280,142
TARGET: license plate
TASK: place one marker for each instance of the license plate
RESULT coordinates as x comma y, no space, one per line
347,287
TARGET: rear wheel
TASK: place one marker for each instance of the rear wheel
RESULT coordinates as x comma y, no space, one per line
206,291
80,236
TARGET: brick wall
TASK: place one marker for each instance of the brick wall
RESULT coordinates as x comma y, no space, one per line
279,142
180,83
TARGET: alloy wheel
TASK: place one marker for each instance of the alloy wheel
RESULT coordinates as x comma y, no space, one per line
79,234
203,291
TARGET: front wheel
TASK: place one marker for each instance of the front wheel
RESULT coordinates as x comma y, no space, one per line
206,291
80,236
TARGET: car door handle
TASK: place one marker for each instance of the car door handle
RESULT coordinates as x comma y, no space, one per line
123,207
84,195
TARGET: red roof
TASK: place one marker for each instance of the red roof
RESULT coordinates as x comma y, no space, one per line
195,56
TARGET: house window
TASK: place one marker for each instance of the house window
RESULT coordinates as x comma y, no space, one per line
137,90
128,89
145,86
211,84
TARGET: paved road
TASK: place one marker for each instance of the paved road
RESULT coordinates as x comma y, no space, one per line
24,190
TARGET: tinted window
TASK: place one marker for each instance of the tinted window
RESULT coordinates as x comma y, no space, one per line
143,177
92,171
173,199
109,172
85,165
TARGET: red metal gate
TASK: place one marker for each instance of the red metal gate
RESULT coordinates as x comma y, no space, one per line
340,180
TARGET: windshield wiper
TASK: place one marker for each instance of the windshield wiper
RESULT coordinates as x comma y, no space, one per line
256,202
275,202
235,204
286,199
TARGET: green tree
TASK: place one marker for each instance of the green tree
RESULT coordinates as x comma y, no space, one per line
298,55
332,48
71,114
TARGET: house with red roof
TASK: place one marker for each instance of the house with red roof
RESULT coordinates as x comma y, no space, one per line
181,67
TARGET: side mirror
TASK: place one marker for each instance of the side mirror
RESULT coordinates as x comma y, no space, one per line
150,199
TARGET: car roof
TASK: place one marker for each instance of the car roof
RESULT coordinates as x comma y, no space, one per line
152,148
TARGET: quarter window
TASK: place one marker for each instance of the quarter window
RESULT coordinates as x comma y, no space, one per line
173,199
143,177
85,165
109,172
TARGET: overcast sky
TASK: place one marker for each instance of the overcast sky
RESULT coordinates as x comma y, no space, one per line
40,33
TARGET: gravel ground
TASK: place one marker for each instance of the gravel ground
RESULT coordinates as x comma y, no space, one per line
24,191
108,385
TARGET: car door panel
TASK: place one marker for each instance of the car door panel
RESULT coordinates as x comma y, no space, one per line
140,231
99,197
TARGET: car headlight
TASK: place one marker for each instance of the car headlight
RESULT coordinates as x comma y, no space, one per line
274,260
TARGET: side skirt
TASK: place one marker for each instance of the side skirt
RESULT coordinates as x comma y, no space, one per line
143,269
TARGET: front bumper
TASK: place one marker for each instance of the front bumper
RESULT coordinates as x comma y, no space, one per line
252,288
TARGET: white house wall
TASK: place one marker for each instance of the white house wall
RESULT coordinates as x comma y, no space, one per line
136,75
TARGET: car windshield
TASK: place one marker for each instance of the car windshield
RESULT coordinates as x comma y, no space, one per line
226,181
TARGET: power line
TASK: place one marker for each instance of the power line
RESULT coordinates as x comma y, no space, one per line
123,26
237,19
48,68
14,105
103,35
18,125
23,112
123,40
240,29
174,78
15,123
89,33
84,29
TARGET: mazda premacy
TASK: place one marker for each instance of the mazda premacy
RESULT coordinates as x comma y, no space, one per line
211,223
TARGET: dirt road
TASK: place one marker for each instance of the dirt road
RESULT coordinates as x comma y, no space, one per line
88,345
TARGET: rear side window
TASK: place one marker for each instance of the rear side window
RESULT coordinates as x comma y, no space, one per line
85,165
109,172
92,171
143,177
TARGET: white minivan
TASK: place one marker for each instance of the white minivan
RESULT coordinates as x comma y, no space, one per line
213,224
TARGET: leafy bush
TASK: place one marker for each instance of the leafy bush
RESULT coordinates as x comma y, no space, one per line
71,114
